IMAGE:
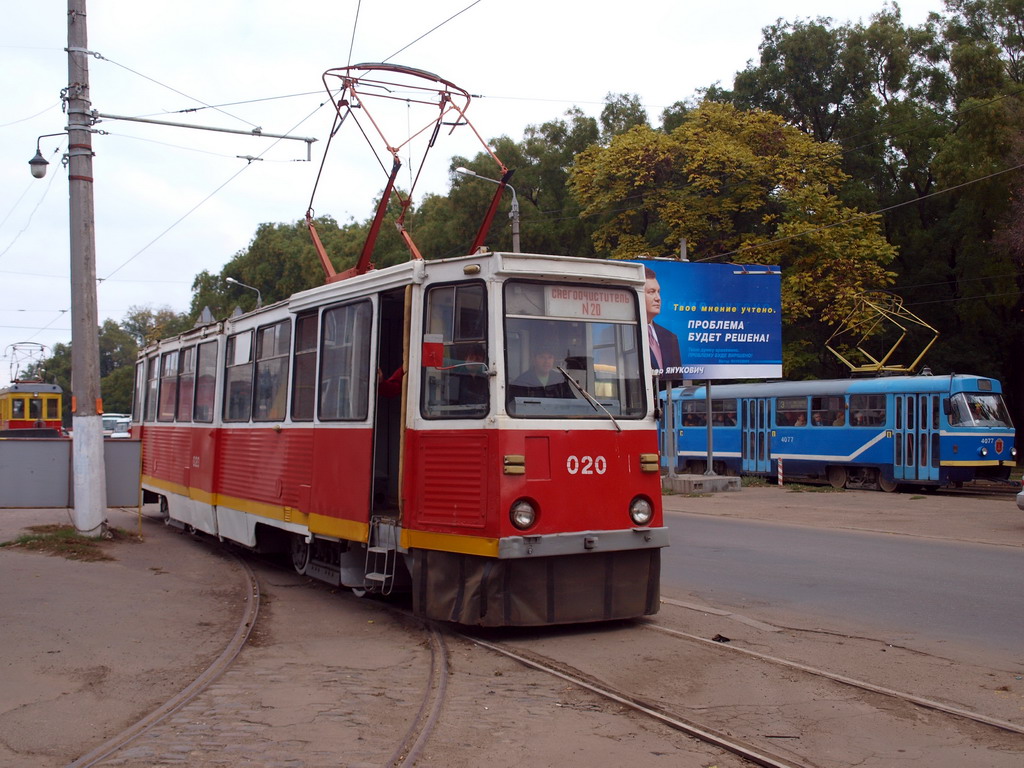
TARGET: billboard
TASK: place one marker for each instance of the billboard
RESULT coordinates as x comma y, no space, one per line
714,321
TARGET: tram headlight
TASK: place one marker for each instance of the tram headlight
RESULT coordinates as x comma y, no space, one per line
523,514
641,511
1013,452
983,451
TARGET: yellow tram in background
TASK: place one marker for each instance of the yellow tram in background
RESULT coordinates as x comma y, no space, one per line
31,405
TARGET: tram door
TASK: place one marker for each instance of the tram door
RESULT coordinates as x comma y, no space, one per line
915,442
757,434
387,427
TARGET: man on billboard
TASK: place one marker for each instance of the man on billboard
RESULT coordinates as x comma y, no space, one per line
665,358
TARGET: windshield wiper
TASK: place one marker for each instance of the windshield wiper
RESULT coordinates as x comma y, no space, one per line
589,398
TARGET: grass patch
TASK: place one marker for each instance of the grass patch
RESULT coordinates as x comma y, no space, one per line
753,481
801,488
65,541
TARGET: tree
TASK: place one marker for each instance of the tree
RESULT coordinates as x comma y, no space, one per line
621,112
740,185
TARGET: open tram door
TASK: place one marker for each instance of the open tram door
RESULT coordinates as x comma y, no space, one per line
757,434
392,359
915,440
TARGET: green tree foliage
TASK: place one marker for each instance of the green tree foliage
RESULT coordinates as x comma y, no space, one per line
740,185
280,260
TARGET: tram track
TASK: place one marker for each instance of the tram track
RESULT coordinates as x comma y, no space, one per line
410,744
740,725
909,698
247,622
703,733
423,725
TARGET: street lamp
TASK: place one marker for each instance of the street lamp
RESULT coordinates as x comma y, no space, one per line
259,296
512,214
38,163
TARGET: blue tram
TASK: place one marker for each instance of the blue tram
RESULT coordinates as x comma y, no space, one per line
876,433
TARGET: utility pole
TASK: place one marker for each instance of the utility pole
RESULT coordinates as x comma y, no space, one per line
90,486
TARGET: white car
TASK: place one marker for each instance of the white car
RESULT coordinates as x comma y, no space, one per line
1020,495
122,429
111,422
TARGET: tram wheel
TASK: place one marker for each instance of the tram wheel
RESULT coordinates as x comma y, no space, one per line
301,554
165,511
887,484
837,477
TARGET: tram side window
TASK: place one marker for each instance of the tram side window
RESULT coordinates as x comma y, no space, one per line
345,369
304,383
140,390
35,408
723,413
828,411
152,387
17,408
867,410
272,347
186,383
459,388
206,382
791,412
52,408
238,377
168,386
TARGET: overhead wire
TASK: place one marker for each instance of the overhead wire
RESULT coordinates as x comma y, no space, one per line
174,90
430,31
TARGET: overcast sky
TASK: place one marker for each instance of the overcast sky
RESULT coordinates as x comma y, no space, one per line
171,202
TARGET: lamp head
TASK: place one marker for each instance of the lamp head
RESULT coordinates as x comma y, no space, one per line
38,165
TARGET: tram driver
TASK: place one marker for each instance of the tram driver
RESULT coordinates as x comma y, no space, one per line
541,379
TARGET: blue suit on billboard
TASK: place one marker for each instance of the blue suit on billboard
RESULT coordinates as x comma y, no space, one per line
668,346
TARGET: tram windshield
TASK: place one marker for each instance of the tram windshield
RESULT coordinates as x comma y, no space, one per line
974,409
587,333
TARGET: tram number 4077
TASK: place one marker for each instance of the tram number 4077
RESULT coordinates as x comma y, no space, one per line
586,465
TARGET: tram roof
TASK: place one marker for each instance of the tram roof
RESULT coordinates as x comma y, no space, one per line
950,383
31,388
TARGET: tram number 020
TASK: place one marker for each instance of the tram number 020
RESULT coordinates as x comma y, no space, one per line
586,465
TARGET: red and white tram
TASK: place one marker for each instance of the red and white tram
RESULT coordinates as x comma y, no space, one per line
511,479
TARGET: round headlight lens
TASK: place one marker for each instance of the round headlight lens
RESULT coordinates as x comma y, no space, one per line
983,451
522,514
641,511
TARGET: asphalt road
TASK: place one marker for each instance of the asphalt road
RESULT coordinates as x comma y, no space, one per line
900,588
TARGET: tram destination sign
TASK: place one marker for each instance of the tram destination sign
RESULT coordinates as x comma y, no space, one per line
714,321
590,303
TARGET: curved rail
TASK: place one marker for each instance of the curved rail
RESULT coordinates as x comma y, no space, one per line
415,739
863,685
702,733
218,667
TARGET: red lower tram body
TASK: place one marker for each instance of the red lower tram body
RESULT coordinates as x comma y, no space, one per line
456,550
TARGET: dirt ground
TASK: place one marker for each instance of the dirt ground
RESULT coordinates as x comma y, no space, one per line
89,648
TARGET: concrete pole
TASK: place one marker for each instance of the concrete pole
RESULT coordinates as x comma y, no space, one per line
89,485
514,215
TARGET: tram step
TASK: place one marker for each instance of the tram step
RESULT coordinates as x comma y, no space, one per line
379,550
381,577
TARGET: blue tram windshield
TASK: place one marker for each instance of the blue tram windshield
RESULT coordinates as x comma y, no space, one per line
590,333
974,409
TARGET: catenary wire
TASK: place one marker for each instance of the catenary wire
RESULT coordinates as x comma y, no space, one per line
431,31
